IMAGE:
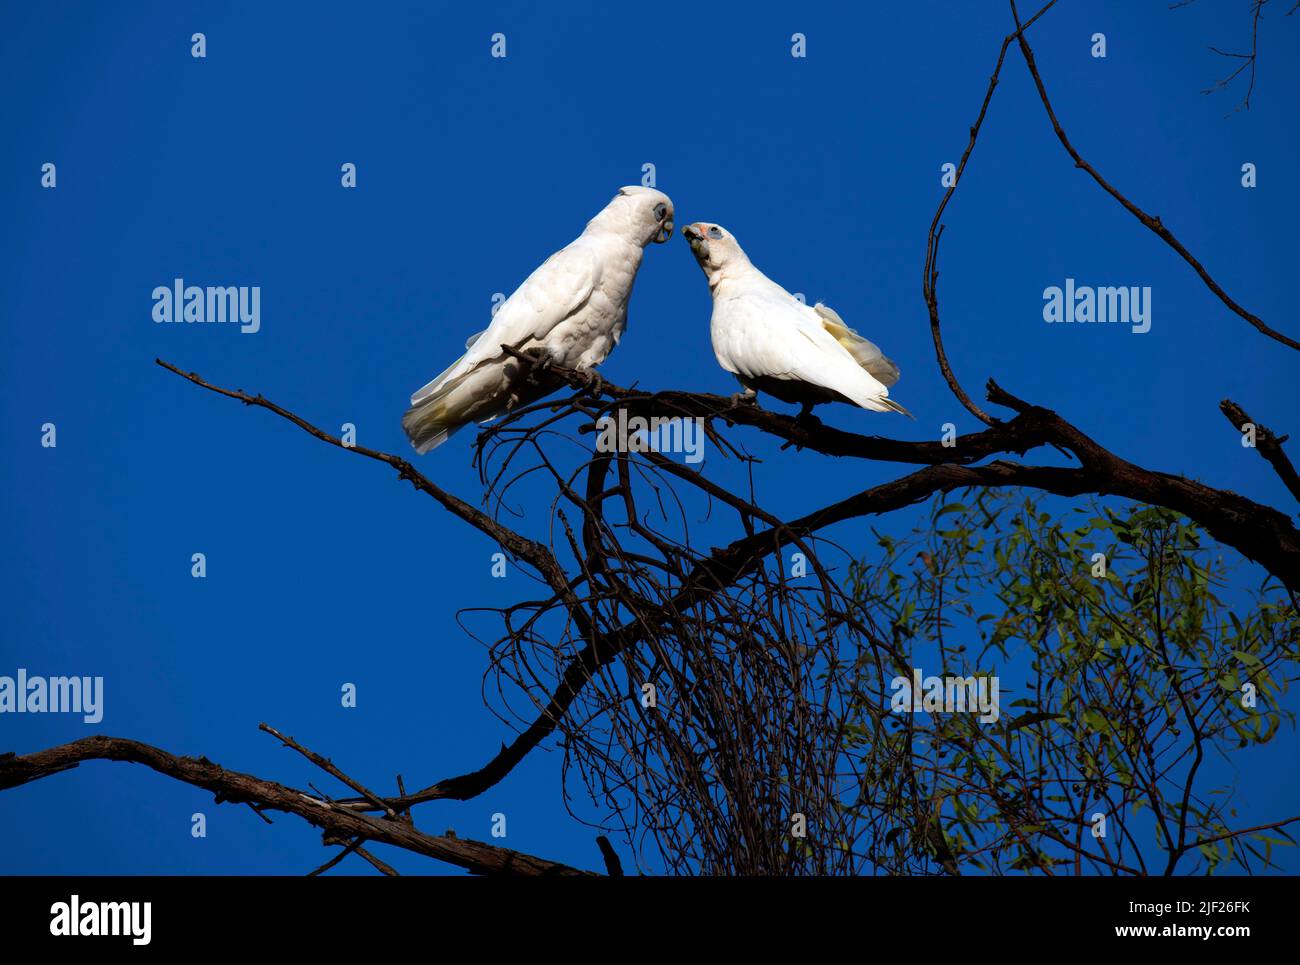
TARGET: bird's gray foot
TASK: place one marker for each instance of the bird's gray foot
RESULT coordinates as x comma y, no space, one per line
541,363
806,417
748,397
592,383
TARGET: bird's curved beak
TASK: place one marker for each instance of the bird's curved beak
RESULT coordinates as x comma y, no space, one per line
695,238
665,230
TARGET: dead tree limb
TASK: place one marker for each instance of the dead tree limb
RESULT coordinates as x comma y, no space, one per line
1150,221
930,274
1268,444
1259,532
339,821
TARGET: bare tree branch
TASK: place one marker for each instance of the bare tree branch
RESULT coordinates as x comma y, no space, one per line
537,555
1268,445
1258,532
1250,60
1151,222
338,821
930,274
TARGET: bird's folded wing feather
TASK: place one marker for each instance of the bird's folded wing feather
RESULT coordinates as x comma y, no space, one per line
867,353
766,336
558,288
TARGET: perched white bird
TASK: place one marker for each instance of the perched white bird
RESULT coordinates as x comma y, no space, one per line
571,311
774,343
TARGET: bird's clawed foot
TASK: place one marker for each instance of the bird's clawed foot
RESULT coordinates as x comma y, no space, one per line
541,363
592,383
748,397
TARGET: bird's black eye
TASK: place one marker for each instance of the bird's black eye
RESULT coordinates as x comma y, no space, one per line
661,209
715,232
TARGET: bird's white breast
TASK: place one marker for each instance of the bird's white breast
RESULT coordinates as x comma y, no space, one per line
588,336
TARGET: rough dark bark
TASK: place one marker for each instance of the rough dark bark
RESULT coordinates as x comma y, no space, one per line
335,818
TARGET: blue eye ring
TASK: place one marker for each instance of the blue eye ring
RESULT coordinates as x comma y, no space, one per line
715,232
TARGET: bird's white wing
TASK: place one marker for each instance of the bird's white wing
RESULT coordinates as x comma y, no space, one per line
558,287
866,353
769,334
426,390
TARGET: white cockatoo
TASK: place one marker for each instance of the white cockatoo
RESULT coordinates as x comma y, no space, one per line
571,311
774,343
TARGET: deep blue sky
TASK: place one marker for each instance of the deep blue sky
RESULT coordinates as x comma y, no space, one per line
323,568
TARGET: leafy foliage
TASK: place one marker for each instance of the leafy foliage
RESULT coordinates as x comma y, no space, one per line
1126,671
